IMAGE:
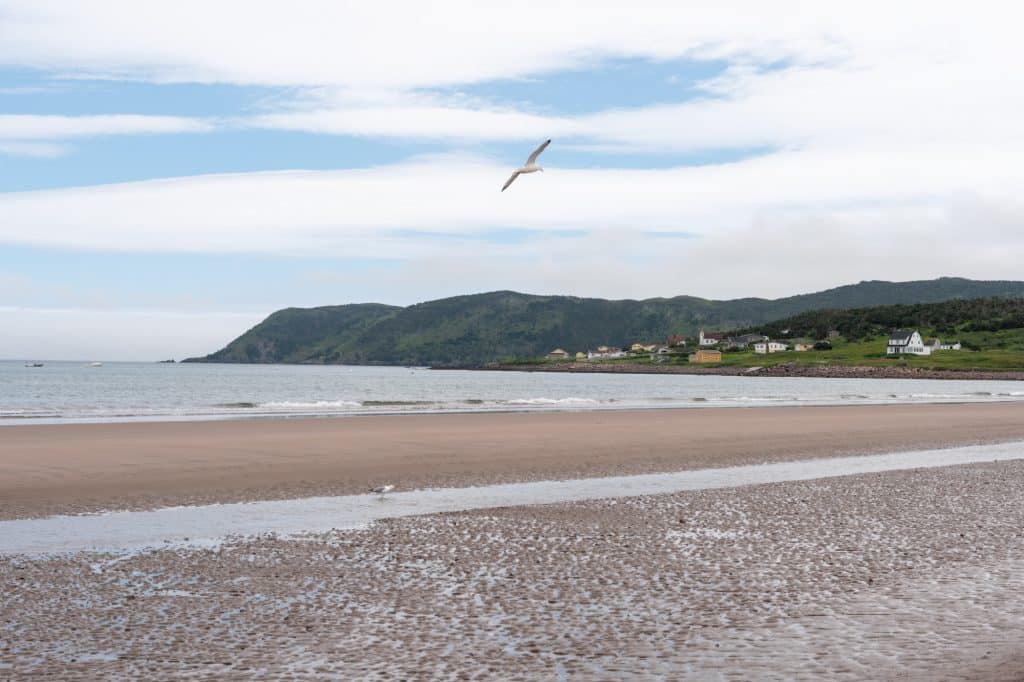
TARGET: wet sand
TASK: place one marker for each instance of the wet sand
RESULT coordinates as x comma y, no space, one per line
74,468
913,574
898,575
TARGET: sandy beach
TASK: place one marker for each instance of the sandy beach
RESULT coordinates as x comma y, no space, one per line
903,574
91,467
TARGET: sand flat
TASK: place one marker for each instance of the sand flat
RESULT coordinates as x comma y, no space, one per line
894,575
899,574
55,469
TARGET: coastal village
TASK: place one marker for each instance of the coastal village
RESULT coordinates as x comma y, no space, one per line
708,347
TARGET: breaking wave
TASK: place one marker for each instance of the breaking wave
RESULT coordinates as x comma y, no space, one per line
316,404
553,401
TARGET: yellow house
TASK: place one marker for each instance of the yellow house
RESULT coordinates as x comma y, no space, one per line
706,356
557,354
581,356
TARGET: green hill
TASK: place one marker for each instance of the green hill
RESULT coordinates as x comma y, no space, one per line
955,317
299,334
480,328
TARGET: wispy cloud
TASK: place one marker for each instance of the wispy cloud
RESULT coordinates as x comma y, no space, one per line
26,90
48,136
797,79
49,127
878,125
32,150
381,45
815,212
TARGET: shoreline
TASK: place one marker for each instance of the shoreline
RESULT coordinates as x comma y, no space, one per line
76,468
693,404
782,370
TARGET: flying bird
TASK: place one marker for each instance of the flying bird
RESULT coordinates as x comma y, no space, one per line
530,166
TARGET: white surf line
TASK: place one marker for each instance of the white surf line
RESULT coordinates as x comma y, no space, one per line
176,526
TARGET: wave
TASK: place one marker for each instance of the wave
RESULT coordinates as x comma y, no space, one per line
298,405
553,401
395,403
29,414
760,399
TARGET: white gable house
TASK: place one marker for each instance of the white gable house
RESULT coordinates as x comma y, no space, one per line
907,341
770,347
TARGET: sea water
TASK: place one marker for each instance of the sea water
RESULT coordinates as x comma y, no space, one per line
60,392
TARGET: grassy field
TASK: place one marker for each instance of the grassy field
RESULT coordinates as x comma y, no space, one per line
872,353
999,351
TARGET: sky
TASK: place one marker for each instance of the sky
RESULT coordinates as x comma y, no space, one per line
170,173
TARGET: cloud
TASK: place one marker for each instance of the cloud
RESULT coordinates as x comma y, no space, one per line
416,120
26,90
397,45
33,150
37,136
784,222
890,141
43,127
403,45
877,121
796,78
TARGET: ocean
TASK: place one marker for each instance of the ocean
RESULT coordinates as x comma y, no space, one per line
65,392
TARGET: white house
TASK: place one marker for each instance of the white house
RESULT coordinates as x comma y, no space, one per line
605,353
708,340
769,347
950,346
908,342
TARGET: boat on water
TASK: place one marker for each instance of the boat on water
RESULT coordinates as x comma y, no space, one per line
95,364
33,364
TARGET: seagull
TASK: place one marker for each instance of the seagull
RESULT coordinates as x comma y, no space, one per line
530,166
382,490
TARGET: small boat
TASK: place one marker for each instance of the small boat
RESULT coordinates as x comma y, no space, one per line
95,364
33,364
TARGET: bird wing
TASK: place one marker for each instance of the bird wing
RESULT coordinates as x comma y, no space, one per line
509,181
536,152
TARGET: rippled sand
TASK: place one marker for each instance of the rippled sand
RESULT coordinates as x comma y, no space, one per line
915,574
